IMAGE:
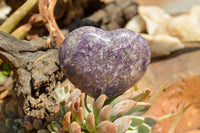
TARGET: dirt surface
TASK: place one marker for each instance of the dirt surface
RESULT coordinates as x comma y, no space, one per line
184,91
178,65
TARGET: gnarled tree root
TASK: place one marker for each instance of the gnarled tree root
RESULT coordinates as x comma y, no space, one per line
36,69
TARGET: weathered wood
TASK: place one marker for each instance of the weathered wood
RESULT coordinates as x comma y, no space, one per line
36,69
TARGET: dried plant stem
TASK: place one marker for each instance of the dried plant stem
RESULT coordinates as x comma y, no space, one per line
179,115
22,31
46,8
17,16
155,96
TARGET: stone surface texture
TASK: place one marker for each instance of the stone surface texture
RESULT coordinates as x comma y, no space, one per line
108,62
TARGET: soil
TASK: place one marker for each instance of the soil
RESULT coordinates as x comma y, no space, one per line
184,91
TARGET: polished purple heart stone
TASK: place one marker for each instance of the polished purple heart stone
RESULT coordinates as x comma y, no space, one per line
104,62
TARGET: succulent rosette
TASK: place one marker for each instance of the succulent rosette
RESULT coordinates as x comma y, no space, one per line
125,113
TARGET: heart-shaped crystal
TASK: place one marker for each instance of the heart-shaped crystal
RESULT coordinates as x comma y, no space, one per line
108,62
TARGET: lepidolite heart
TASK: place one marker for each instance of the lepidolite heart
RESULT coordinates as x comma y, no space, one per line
108,62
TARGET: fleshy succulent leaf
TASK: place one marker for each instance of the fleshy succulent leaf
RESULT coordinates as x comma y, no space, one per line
122,108
82,97
98,104
75,107
139,109
142,95
135,95
106,126
67,120
136,121
104,114
122,124
90,122
144,128
55,126
74,128
151,121
80,117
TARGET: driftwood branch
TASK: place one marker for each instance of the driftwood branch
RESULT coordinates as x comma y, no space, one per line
36,69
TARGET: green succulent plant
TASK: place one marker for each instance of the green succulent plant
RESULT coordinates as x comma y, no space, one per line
124,114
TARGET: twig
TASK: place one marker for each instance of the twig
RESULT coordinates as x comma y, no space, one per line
10,23
22,31
155,96
179,115
46,8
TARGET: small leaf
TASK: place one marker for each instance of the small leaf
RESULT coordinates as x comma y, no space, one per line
104,114
90,123
75,107
105,127
136,121
73,95
122,124
55,126
80,117
135,95
82,97
151,121
98,104
144,128
67,120
126,95
139,109
122,108
142,96
74,128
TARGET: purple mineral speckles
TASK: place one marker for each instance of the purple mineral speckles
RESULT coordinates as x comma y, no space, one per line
108,62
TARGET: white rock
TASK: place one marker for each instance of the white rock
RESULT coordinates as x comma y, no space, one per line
156,19
187,26
136,24
162,44
4,11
